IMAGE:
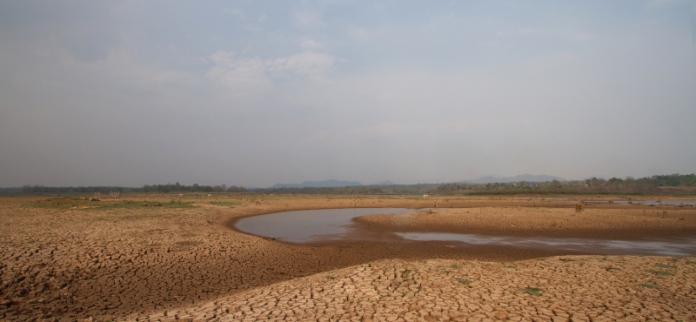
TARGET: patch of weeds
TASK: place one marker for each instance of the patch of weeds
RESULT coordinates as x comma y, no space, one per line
613,269
455,266
661,273
650,286
223,203
463,281
665,266
331,278
510,266
690,262
533,291
566,260
120,204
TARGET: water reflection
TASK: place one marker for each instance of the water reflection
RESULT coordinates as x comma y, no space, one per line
335,225
676,247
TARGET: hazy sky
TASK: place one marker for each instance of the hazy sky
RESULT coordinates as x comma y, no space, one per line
261,92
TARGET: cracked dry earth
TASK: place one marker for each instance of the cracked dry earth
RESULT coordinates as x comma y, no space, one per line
147,263
571,288
75,260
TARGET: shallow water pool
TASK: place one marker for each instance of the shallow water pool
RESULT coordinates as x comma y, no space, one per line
335,225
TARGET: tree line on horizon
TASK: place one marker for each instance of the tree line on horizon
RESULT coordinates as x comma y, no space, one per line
593,185
159,188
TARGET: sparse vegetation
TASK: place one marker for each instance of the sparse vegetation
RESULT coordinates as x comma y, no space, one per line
463,281
665,266
660,273
533,291
76,203
649,286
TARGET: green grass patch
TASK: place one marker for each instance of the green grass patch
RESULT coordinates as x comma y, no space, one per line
660,273
665,266
463,281
649,286
224,203
106,205
613,269
533,291
455,266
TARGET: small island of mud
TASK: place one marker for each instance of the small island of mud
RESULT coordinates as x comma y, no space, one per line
546,222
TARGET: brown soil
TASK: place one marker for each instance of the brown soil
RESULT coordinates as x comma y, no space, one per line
568,288
629,223
62,262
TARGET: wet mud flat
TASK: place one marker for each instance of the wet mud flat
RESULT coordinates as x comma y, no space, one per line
116,262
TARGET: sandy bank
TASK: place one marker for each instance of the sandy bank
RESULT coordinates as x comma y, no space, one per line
548,222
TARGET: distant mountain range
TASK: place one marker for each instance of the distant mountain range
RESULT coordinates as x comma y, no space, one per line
523,177
487,179
332,183
320,184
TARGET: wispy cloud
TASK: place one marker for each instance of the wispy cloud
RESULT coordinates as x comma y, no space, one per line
252,75
308,19
436,129
658,3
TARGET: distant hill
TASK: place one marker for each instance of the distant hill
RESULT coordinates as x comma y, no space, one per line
384,183
523,177
321,184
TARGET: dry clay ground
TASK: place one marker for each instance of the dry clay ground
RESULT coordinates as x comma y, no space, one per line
570,288
66,259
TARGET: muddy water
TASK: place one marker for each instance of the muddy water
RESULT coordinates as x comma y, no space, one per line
335,225
308,226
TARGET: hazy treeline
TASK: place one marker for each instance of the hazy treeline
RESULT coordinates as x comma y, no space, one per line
12,190
593,185
36,189
192,188
159,188
651,184
352,190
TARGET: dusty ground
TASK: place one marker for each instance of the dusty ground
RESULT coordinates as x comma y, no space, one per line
577,288
67,259
633,222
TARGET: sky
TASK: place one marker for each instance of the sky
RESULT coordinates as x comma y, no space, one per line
255,93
